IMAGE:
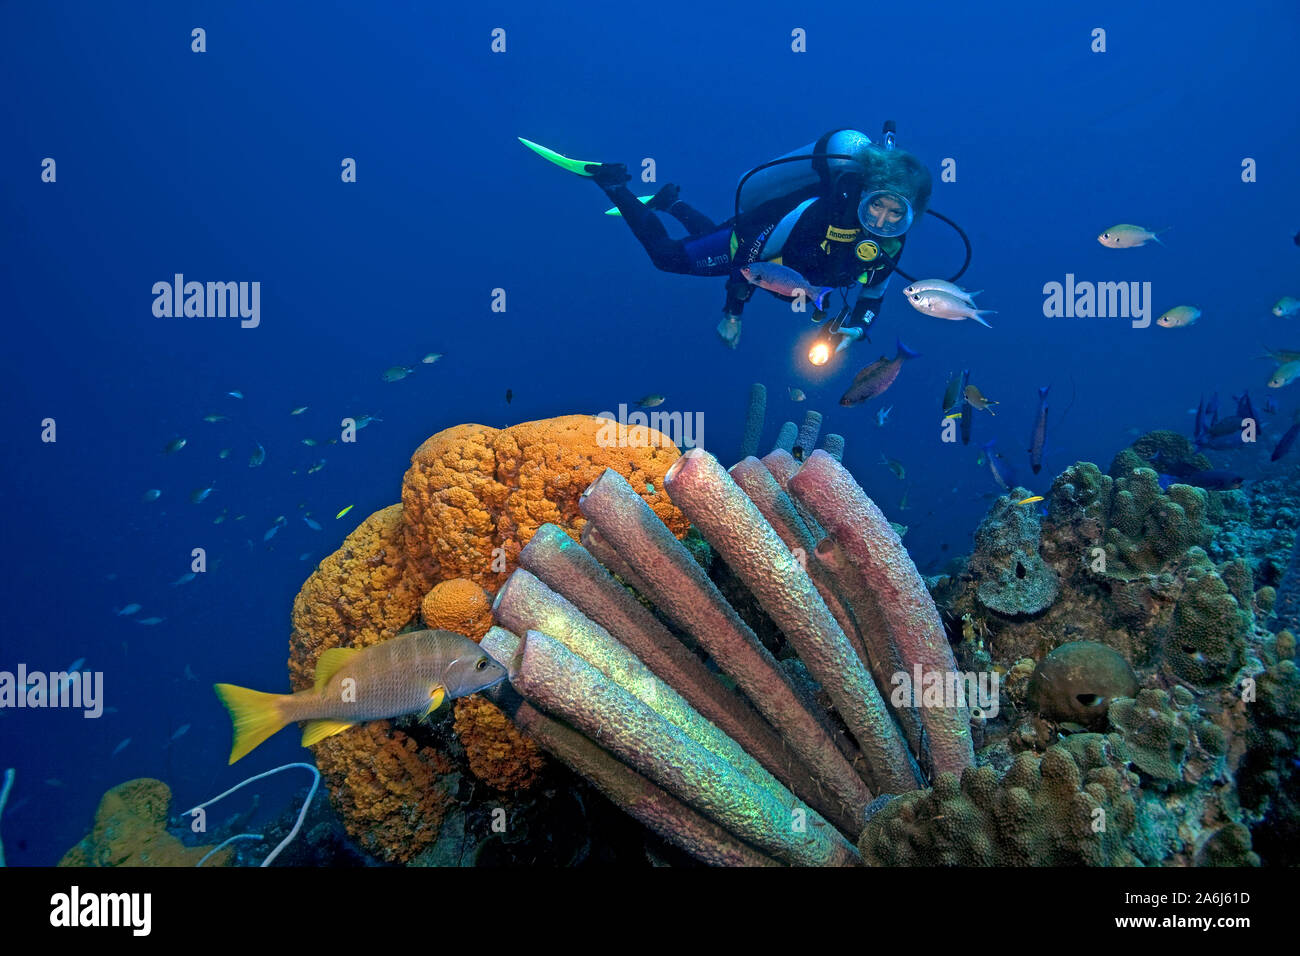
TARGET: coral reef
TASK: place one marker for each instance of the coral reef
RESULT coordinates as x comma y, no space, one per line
1164,451
1122,553
740,696
1205,640
497,752
564,663
1044,812
130,829
472,498
1011,577
1270,775
1177,585
391,792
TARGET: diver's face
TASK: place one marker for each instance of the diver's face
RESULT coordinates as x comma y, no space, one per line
884,211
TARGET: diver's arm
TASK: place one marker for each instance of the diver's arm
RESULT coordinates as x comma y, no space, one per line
739,291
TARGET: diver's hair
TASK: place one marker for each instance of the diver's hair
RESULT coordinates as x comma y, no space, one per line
899,171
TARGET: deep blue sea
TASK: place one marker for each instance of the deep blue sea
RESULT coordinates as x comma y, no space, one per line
226,165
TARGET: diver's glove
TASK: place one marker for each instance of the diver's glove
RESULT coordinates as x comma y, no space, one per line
847,335
729,330
608,175
665,197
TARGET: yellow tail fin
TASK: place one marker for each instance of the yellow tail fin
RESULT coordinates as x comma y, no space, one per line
254,716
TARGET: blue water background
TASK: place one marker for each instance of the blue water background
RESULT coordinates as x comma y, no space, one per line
226,166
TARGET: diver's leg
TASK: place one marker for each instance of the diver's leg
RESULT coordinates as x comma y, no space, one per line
666,253
696,223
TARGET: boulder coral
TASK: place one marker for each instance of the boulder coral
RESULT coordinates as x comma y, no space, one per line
1046,811
130,829
1078,681
1205,640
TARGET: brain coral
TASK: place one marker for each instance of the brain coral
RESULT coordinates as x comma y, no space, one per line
458,605
472,498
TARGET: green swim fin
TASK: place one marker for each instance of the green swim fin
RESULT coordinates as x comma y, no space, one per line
613,210
578,166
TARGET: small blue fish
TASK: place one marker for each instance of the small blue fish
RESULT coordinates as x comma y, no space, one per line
181,731
235,394
128,610
314,525
279,523
1285,442
183,579
1003,473
882,416
150,620
120,747
1038,438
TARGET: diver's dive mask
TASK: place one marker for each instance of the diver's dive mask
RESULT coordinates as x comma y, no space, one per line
884,213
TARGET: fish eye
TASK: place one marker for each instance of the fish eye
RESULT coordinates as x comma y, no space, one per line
482,663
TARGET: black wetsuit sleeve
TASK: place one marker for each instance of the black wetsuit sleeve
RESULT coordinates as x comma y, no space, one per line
751,233
738,292
863,306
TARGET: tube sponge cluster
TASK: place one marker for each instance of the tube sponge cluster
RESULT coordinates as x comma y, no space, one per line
609,688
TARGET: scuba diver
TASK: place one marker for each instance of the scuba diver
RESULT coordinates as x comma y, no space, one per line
836,212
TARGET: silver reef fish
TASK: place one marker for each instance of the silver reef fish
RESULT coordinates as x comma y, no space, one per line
1126,236
944,286
941,305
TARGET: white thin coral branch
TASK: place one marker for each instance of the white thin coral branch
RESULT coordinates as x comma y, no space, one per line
297,825
4,798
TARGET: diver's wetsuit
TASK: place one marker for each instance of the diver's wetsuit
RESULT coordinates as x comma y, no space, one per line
804,238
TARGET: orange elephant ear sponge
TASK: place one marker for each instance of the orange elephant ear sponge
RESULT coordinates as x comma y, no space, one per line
474,496
458,605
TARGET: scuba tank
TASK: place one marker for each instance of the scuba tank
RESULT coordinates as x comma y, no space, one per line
810,175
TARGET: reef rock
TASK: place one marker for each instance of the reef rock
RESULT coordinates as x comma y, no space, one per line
1011,578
